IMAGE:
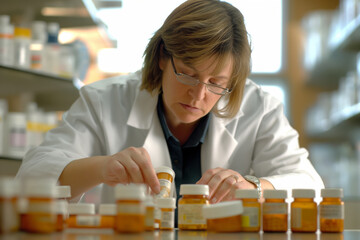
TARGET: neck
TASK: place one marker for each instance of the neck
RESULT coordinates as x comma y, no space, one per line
183,131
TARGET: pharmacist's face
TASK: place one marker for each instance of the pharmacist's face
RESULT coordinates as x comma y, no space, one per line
185,104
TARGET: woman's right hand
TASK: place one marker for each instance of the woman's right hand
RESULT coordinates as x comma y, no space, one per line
132,165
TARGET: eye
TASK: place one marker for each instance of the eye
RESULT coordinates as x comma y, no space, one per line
216,82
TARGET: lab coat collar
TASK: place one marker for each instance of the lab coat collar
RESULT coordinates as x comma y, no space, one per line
143,110
218,146
143,116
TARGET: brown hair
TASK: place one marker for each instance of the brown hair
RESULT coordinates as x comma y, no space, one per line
196,30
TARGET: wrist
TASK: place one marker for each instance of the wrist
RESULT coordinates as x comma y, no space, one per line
256,182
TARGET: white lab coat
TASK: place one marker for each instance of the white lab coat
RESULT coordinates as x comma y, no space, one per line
113,114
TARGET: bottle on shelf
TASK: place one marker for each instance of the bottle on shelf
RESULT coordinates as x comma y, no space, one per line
6,41
52,49
22,41
38,41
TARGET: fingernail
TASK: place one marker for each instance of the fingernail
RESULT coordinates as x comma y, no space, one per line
213,200
157,189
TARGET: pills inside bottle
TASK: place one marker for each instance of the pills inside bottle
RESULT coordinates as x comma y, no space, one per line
331,210
252,209
194,197
166,177
224,216
275,211
303,211
130,208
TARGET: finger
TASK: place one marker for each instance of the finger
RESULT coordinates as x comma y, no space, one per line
118,173
132,169
206,177
223,189
217,179
148,171
231,194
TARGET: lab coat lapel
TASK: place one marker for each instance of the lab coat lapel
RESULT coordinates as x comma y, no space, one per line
143,116
218,146
156,145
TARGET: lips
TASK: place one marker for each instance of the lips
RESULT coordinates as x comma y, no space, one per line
190,108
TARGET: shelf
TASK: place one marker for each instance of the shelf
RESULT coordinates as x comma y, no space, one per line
59,90
79,16
341,126
10,158
340,59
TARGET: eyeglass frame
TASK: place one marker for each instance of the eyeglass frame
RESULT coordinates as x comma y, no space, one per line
224,92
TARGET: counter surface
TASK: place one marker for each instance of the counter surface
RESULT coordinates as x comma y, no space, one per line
93,234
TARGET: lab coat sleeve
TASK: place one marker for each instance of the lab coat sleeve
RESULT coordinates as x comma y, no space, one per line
78,136
277,155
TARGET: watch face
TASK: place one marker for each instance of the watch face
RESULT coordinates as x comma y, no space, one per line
252,179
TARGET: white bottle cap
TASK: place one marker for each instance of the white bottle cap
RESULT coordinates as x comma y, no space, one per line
223,209
39,188
332,193
16,118
271,193
194,189
130,192
149,201
165,170
61,207
4,19
246,193
303,193
7,187
81,208
166,203
108,209
63,192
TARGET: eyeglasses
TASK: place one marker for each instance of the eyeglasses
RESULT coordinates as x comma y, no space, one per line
187,80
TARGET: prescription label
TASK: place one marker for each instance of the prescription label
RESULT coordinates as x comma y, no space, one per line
250,217
191,214
332,211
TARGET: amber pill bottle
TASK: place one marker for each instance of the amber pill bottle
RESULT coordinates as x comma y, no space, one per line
62,194
9,219
39,213
107,214
130,216
252,209
166,177
167,213
275,211
331,210
303,211
224,216
82,215
149,213
194,197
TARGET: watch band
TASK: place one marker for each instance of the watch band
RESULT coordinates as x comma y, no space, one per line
255,181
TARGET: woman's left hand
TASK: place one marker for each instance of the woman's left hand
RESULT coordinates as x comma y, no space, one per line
223,183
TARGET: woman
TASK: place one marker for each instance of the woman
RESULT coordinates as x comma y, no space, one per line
194,110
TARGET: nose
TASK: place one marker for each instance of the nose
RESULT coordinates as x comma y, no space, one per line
198,92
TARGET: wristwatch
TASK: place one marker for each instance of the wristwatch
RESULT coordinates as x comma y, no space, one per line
255,181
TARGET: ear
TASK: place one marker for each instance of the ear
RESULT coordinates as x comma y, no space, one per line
163,59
